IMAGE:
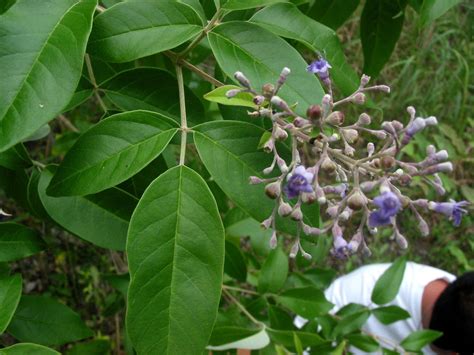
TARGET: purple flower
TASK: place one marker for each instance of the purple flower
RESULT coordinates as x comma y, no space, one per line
389,205
299,181
340,249
320,67
454,210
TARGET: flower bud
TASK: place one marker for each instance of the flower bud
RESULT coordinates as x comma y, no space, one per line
366,251
294,250
269,145
384,88
268,90
268,170
326,101
378,134
445,167
359,98
279,133
328,165
350,135
273,240
423,226
254,180
267,222
388,127
387,162
242,79
283,75
314,112
231,93
405,179
370,148
277,101
273,190
258,100
308,197
397,125
400,239
431,121
320,195
364,80
282,165
296,214
348,150
336,118
411,111
430,150
354,243
357,200
308,230
284,209
364,119
346,214
332,211
442,155
300,122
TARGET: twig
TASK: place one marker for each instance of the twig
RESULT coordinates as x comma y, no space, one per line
241,307
182,108
63,119
94,83
238,289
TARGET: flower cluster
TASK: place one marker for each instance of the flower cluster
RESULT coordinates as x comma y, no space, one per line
331,166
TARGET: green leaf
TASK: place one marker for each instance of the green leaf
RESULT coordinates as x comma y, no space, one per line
280,319
286,337
5,5
432,9
17,241
380,28
94,347
418,339
350,308
387,286
229,334
27,348
154,90
10,293
247,4
84,91
228,150
135,29
297,343
234,265
308,302
241,99
112,151
45,321
363,342
287,21
15,158
41,62
104,217
261,55
176,258
390,314
333,13
350,323
274,271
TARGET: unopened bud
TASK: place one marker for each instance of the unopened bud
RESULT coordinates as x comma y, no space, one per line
364,80
370,148
332,211
384,88
326,101
423,226
442,155
405,179
308,230
273,190
368,186
387,162
346,214
350,135
445,167
231,93
378,134
284,209
268,170
242,79
267,222
296,214
268,90
364,119
258,100
277,101
357,200
348,150
400,239
388,127
359,98
416,126
328,165
283,75
336,118
269,145
354,243
308,197
294,250
411,111
397,125
282,165
339,242
279,133
314,112
273,240
422,203
431,121
300,122
254,180
320,195
430,150
440,190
